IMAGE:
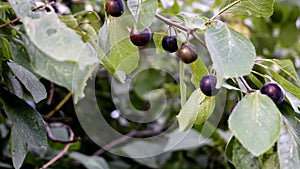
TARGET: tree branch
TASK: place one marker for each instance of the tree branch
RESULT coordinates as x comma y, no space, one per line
181,27
53,138
72,138
51,93
9,23
125,138
65,99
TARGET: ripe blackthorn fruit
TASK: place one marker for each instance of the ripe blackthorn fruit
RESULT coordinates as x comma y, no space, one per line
208,85
188,53
169,43
273,91
115,7
140,38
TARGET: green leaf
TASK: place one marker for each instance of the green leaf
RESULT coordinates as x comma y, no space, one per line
103,37
191,140
28,130
294,101
205,110
57,52
255,80
6,50
145,157
103,47
193,21
66,74
90,162
157,39
227,49
30,81
229,148
88,33
20,55
256,122
51,36
18,149
272,162
124,56
189,112
143,12
242,158
288,149
287,85
69,20
286,38
14,85
287,66
182,84
90,18
257,8
154,82
199,70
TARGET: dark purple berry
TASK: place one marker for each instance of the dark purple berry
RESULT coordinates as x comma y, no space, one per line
140,38
169,43
115,7
208,85
188,53
273,91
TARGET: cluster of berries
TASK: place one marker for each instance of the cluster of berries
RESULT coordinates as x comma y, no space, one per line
188,53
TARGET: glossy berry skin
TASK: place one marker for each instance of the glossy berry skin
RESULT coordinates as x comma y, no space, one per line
208,85
273,91
115,8
169,43
140,38
188,53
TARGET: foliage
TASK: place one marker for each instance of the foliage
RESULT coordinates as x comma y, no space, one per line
48,54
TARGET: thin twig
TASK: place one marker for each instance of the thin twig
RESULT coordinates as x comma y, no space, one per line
63,151
224,9
125,138
43,6
53,138
9,23
66,98
170,22
181,27
114,143
58,156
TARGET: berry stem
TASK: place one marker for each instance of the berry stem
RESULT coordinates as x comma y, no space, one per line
249,89
181,27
